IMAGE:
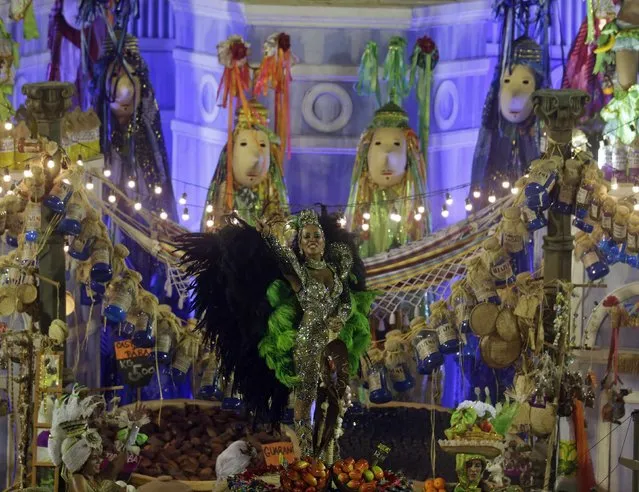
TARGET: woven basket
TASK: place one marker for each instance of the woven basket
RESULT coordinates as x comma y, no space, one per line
481,436
483,318
489,449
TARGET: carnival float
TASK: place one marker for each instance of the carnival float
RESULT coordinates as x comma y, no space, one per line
459,323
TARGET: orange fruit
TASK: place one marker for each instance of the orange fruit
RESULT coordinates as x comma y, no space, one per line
439,483
441,490
430,489
429,483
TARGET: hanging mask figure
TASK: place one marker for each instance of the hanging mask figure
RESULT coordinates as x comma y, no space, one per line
251,157
124,92
387,157
515,91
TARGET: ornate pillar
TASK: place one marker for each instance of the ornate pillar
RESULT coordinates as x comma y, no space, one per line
559,110
47,102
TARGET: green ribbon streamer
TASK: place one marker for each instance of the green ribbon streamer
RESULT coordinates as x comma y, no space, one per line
368,73
590,11
421,74
30,27
395,70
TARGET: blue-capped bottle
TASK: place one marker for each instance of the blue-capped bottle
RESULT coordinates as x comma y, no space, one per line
395,358
443,322
168,327
480,281
121,296
498,262
541,183
378,391
427,353
89,297
564,203
591,257
71,224
514,239
146,309
60,194
585,195
462,302
620,231
80,248
186,351
101,270
32,221
210,388
596,205
534,219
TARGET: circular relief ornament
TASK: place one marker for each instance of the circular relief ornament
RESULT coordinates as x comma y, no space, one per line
345,102
207,91
446,90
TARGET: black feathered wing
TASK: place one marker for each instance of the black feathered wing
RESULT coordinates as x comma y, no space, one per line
232,270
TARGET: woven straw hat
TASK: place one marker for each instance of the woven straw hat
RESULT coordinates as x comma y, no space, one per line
498,353
483,318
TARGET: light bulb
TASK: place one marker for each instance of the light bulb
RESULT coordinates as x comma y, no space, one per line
514,190
342,221
469,205
445,212
90,184
111,198
66,248
209,208
476,193
185,214
505,184
164,215
366,216
27,172
7,176
421,209
182,199
137,206
131,183
635,187
635,207
365,227
8,126
10,192
79,162
209,223
107,172
418,217
158,189
50,163
613,183
491,197
395,217
449,199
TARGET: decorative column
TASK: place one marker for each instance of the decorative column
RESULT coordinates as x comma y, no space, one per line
559,110
47,102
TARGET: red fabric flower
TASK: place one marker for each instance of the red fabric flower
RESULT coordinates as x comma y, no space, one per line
284,42
239,51
426,44
610,301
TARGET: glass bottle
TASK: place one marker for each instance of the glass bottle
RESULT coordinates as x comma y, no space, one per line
426,345
101,261
209,386
608,247
60,194
32,221
534,219
591,256
395,358
80,248
596,204
481,281
71,224
565,201
121,298
583,205
462,303
441,319
146,307
15,225
541,182
499,262
378,391
514,240
620,232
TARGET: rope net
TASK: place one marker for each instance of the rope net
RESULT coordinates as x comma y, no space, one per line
407,276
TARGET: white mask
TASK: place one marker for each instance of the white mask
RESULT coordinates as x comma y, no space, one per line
251,157
515,91
387,157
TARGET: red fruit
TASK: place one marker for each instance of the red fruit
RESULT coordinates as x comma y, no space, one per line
355,475
343,477
310,489
486,426
367,487
321,483
349,460
348,467
293,475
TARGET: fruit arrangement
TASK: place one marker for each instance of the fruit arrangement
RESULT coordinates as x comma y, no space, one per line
305,475
435,485
350,476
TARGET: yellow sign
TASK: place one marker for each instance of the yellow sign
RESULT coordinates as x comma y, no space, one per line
273,451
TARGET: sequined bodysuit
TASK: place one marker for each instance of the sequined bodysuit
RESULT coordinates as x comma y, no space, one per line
319,304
